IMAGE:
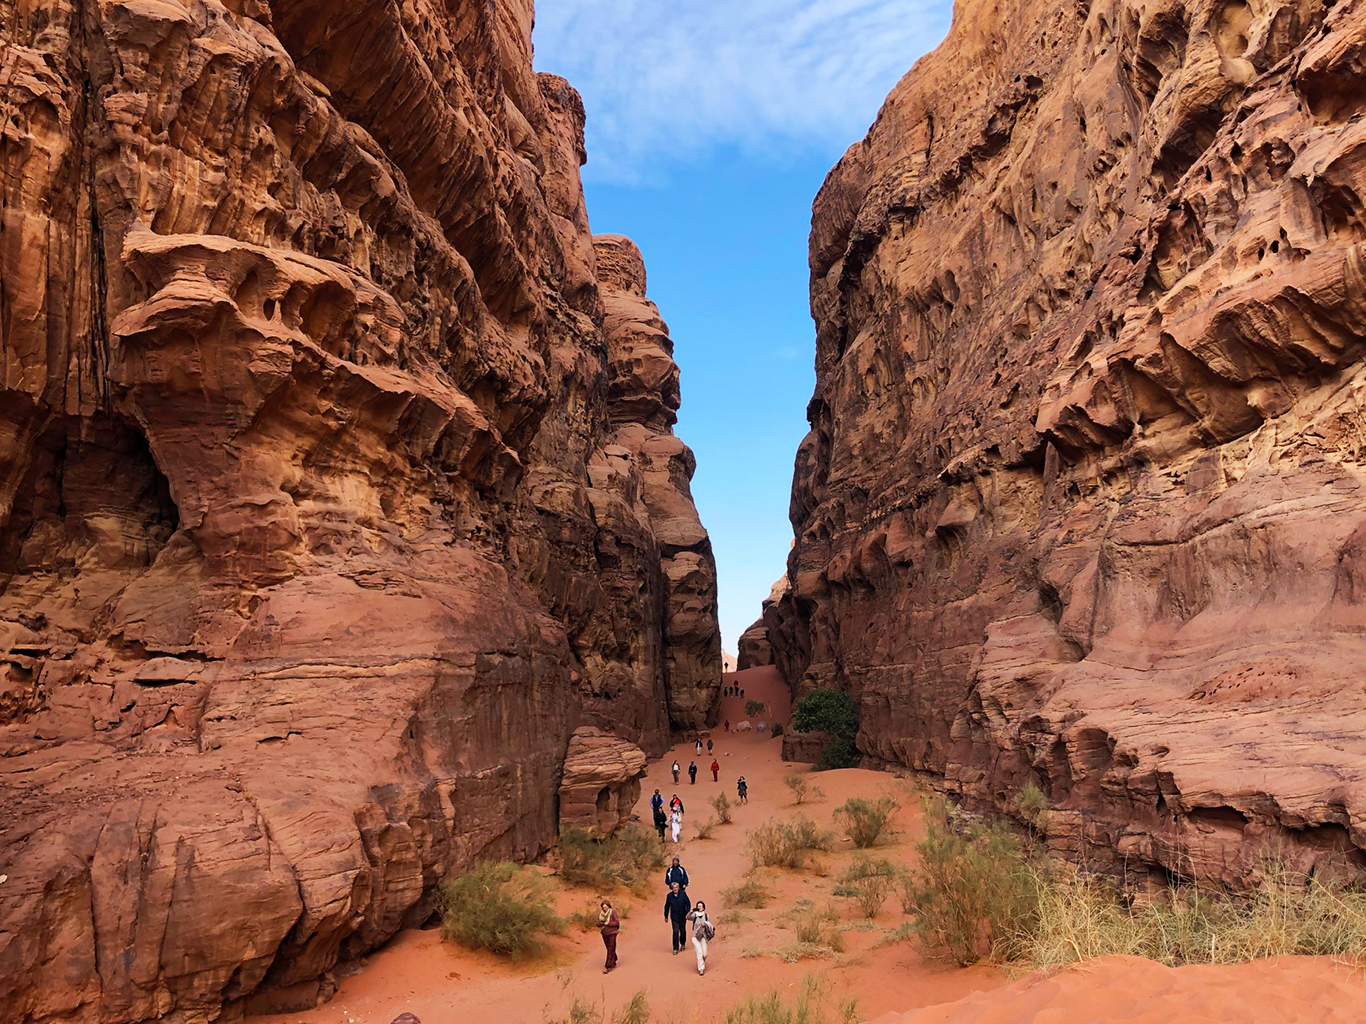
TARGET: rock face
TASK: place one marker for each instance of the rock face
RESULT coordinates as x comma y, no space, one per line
756,650
1083,501
601,781
328,509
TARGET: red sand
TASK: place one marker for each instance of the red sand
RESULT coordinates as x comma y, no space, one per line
443,984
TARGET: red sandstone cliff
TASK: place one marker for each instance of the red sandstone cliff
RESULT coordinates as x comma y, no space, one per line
337,487
1084,499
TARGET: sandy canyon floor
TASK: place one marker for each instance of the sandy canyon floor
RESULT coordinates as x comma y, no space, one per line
440,983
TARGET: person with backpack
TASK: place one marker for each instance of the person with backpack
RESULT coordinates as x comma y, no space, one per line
609,923
715,770
703,931
692,772
676,909
742,789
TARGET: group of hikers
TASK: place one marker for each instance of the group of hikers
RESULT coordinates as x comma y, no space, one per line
679,911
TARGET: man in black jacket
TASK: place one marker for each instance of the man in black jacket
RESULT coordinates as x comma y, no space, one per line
676,908
676,873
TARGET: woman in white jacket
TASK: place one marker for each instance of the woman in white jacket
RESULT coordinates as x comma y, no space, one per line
703,931
676,823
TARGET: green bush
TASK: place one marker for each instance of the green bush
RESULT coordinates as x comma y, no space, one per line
1032,805
500,907
831,711
721,805
839,752
866,820
746,894
868,883
777,729
754,708
786,844
628,859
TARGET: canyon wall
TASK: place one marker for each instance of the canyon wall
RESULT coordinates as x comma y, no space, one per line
337,489
1083,502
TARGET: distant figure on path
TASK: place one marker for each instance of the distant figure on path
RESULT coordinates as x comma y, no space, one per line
676,823
609,923
727,725
692,772
708,744
703,931
697,747
675,769
661,823
676,873
675,804
742,789
676,908
715,770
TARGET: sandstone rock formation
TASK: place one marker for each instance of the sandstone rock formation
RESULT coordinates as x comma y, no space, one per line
755,648
601,782
325,517
1084,500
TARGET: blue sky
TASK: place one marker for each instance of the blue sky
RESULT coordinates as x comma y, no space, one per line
710,128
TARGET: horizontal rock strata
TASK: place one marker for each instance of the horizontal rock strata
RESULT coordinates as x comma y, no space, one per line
327,509
1083,502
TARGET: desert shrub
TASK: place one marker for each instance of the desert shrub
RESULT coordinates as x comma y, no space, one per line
704,828
839,752
868,883
974,895
637,1011
811,1005
1032,805
866,820
818,928
802,787
747,894
786,844
721,805
628,859
585,918
500,907
777,729
754,708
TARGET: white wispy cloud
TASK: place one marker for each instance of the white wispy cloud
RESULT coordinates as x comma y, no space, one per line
670,81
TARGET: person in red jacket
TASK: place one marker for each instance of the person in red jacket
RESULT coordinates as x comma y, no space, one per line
715,771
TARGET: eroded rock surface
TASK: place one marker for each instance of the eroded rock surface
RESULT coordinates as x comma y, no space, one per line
1083,501
307,572
601,781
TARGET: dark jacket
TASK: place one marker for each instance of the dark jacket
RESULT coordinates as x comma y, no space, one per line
657,802
677,874
676,805
676,906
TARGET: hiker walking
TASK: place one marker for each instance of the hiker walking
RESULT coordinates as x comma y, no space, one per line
676,873
676,908
656,802
661,823
609,923
727,725
715,770
703,931
676,823
708,744
692,772
697,747
742,789
675,769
